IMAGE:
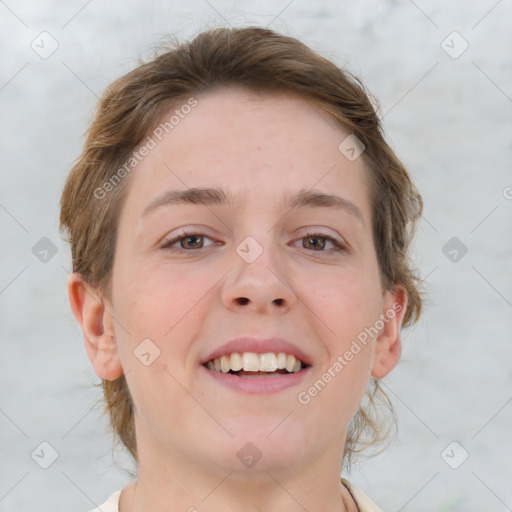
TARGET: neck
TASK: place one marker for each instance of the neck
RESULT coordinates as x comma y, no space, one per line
179,485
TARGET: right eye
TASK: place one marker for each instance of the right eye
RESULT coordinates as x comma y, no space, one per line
188,242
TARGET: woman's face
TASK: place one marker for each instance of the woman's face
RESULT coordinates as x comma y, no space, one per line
262,258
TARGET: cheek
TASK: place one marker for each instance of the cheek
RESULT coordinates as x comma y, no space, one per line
155,299
346,307
339,390
161,311
354,307
347,302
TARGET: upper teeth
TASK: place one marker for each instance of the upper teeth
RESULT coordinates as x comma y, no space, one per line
252,362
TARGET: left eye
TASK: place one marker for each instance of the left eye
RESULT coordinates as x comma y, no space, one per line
318,242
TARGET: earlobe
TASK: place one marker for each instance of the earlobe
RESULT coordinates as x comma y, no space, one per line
388,347
89,309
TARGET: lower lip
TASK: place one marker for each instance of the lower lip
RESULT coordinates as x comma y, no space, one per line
258,385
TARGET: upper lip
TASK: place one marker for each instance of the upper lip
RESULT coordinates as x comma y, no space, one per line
259,346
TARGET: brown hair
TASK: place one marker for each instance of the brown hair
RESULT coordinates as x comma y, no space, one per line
262,60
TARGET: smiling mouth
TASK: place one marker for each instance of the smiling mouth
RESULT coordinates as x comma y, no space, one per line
251,364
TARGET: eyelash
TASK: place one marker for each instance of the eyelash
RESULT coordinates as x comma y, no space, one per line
338,245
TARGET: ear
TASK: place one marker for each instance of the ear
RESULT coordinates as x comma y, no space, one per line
388,346
88,306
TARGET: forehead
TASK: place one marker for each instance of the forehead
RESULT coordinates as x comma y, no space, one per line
228,114
256,142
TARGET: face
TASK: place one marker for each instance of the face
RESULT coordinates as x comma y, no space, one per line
259,263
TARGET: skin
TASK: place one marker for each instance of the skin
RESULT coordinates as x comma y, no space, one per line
189,428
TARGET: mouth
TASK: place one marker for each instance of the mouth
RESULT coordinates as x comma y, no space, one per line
253,365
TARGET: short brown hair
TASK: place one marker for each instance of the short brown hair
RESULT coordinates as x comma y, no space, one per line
261,60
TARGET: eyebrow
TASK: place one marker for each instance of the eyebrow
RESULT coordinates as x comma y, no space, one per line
303,198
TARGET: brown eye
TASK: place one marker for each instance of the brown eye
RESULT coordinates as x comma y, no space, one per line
315,242
187,241
190,242
318,242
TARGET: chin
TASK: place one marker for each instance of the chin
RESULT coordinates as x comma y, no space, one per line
265,448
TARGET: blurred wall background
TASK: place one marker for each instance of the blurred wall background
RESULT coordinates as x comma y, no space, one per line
442,72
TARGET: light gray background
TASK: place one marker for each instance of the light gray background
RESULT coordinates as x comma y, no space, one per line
449,120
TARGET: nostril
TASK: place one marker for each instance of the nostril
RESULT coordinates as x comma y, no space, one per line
243,300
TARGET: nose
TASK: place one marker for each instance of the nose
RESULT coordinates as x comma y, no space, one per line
260,286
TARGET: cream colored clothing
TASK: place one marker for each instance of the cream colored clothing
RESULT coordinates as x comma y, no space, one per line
364,503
